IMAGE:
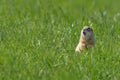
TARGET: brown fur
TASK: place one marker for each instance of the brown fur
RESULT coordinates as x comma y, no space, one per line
86,41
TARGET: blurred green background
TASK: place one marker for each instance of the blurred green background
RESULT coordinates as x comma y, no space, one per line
38,40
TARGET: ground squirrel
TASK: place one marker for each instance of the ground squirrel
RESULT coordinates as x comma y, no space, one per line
87,39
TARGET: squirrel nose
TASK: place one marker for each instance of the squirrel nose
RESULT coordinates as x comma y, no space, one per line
84,30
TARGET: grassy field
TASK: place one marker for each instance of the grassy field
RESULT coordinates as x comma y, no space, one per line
38,40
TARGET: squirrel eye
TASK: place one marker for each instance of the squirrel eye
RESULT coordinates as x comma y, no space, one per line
88,29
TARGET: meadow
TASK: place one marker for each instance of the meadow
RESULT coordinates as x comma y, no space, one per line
38,40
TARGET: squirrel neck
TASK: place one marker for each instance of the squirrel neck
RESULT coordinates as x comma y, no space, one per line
90,41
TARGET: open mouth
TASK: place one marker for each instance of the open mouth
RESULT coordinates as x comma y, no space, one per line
84,33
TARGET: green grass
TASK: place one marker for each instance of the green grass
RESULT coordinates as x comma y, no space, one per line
38,40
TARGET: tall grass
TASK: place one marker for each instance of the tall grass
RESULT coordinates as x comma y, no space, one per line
38,40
